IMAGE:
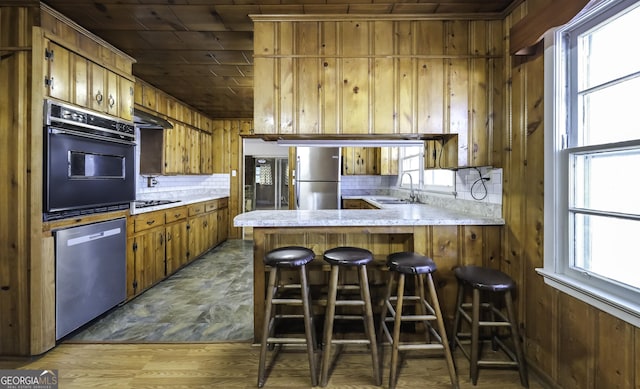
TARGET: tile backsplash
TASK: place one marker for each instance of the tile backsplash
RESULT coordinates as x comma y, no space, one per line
469,186
219,183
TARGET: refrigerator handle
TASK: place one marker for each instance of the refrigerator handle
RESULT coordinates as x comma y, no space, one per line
296,183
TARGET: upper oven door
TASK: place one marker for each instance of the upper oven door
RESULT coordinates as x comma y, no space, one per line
85,172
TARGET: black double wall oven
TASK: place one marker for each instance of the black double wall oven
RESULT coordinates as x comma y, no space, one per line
88,161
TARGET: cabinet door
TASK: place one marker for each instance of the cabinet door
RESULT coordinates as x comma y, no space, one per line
98,96
192,139
212,233
113,93
389,160
174,149
360,161
148,259
223,224
80,80
125,98
221,149
206,153
176,248
197,234
60,76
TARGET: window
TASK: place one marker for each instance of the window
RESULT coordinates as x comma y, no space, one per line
592,149
412,162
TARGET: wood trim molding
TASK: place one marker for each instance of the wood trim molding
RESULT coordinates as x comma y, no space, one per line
372,17
529,31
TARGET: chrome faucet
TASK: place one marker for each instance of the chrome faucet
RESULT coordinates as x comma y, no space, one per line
412,195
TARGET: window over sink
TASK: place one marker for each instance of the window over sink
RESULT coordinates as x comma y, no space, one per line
430,180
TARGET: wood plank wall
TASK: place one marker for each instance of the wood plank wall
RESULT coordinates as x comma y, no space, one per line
572,344
15,191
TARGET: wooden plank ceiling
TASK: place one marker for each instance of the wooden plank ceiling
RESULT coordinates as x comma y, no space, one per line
200,51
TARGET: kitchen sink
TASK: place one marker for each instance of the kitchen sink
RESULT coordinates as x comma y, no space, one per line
392,201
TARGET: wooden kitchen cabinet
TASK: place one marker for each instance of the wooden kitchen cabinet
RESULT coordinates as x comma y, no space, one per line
389,161
360,160
161,242
145,251
357,204
206,153
73,78
419,76
58,77
177,247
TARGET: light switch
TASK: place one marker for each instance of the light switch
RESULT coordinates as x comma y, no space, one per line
234,173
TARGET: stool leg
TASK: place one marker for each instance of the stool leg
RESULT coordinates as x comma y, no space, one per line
368,323
308,324
475,335
328,324
383,314
515,335
421,309
396,332
456,317
271,290
443,332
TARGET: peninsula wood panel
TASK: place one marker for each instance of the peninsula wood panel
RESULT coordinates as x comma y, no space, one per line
568,342
449,246
379,76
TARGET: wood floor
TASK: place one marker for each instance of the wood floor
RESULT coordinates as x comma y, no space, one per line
234,365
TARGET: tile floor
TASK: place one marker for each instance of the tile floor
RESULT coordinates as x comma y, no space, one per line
209,300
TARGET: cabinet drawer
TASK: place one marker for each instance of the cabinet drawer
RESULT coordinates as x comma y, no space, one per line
211,206
175,214
147,221
196,209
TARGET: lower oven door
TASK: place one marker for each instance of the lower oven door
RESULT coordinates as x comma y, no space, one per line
85,172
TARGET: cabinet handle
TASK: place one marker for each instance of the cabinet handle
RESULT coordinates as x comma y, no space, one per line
168,236
150,222
177,215
112,101
51,83
99,97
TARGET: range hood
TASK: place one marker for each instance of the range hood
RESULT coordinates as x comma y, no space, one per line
143,119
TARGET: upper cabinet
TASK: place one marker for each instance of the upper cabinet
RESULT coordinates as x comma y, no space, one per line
381,75
72,77
195,145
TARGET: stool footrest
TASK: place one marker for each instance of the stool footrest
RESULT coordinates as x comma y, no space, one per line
421,346
350,341
348,317
287,340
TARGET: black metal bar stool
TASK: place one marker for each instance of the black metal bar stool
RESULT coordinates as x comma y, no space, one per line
419,267
277,294
486,284
340,258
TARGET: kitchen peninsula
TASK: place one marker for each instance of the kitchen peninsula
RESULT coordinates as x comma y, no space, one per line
450,237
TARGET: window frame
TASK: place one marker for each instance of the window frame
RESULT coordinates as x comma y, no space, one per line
608,296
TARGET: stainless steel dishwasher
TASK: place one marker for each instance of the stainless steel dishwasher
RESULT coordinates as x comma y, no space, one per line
90,272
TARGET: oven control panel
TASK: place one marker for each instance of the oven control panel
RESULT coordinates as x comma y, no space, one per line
84,121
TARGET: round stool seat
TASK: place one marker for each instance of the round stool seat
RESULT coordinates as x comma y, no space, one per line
410,263
349,256
484,278
290,256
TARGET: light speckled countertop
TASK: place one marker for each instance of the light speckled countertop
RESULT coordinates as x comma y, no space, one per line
184,197
387,215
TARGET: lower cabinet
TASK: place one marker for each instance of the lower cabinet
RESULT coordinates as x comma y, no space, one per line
161,242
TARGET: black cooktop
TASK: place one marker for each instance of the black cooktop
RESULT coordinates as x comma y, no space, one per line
153,203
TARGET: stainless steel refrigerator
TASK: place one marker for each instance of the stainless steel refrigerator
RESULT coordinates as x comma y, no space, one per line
317,178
